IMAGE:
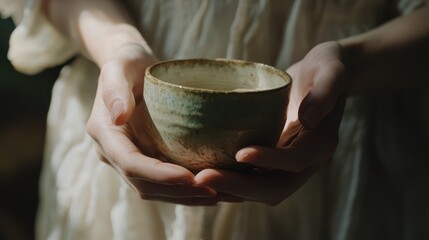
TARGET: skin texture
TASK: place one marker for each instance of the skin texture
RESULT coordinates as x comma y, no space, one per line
291,164
323,79
377,60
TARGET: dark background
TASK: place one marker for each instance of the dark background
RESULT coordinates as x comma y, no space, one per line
24,102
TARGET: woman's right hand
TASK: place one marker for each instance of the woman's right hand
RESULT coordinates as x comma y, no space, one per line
116,126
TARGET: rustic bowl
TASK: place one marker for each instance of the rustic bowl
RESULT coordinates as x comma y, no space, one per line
200,112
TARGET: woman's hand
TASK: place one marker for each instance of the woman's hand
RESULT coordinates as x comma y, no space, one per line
117,127
308,141
105,33
379,59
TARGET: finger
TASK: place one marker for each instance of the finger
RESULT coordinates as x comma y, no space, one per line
296,93
233,183
309,147
290,132
321,99
117,93
294,69
127,159
136,165
149,190
269,188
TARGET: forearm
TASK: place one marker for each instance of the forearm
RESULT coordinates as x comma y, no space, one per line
393,55
97,26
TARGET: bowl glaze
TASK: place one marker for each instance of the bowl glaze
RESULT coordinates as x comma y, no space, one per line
200,112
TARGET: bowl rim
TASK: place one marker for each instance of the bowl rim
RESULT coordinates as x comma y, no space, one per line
283,74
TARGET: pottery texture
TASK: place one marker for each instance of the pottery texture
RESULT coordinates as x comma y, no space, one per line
203,127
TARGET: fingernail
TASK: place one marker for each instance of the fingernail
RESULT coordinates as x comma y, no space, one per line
243,154
116,110
310,117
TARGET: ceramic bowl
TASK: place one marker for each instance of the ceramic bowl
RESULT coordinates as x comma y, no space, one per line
200,112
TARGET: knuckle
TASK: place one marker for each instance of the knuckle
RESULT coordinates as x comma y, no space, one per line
108,91
91,127
110,75
108,68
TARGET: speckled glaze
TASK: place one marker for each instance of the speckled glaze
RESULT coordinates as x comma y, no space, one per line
201,112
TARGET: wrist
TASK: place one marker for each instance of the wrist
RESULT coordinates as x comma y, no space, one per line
111,43
351,55
98,27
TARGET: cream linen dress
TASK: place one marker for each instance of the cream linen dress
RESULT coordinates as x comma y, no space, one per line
376,188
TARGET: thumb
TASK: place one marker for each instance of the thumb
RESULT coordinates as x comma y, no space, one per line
117,93
320,100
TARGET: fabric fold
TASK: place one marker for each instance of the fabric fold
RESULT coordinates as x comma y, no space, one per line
35,44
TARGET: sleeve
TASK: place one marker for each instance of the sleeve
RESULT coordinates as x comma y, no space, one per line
35,44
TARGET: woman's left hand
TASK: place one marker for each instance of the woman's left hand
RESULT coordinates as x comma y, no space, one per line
309,139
